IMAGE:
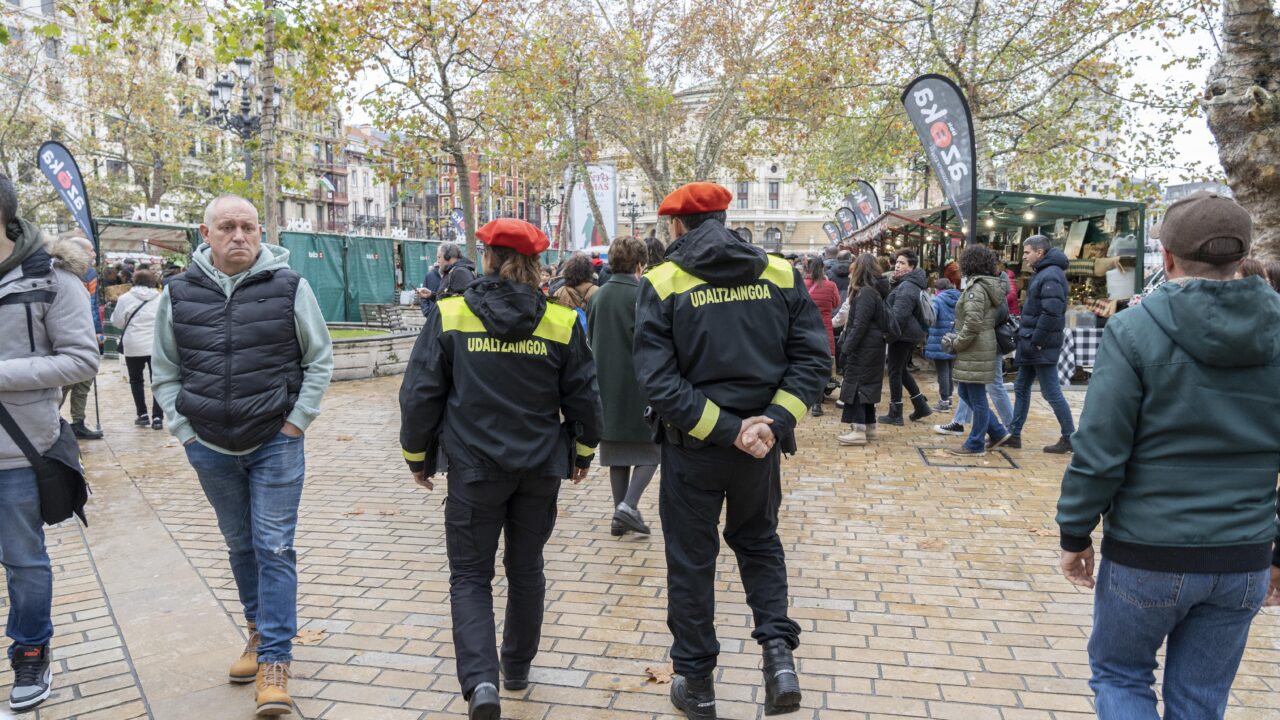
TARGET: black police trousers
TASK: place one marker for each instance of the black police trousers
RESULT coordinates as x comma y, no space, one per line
481,505
696,483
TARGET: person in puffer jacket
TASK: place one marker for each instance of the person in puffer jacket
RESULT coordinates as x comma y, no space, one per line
944,312
49,342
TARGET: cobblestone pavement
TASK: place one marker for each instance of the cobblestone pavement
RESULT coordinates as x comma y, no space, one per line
924,590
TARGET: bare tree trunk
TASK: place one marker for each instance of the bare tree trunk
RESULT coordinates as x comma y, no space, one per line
563,235
468,203
270,185
1243,106
590,189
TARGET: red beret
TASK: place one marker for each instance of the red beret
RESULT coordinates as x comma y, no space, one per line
516,234
696,198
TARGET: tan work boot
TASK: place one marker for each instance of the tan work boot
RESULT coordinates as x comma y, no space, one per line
245,670
273,689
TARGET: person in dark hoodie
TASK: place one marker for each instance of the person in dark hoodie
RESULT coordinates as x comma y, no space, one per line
838,272
729,351
49,342
944,319
907,283
1039,341
1177,453
506,445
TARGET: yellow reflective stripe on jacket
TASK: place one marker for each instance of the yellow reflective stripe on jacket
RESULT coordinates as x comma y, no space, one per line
585,451
707,423
556,324
669,278
790,403
455,315
414,457
779,272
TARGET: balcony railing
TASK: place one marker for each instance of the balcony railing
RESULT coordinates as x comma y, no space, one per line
322,195
372,221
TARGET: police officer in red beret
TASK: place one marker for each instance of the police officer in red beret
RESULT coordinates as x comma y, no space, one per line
505,383
730,352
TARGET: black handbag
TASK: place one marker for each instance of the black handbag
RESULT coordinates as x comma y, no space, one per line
1006,330
59,474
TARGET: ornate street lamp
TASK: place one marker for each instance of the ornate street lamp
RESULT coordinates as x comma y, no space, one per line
246,120
632,206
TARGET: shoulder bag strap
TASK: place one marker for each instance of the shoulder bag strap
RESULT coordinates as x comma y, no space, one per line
19,438
135,312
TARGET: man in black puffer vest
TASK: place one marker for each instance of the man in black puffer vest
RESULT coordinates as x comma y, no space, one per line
242,358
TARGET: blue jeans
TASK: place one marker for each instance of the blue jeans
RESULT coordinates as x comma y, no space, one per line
25,559
256,498
984,422
998,396
1050,389
1205,619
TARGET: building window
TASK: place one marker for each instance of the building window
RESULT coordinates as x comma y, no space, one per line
891,194
744,233
52,48
744,193
774,192
116,169
48,7
773,238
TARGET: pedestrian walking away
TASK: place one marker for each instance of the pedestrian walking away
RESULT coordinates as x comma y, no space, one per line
626,447
242,358
907,283
1040,338
1187,499
50,343
729,352
507,448
862,351
78,392
974,345
135,316
826,296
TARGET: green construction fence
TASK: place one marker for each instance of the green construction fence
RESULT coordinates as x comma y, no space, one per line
344,271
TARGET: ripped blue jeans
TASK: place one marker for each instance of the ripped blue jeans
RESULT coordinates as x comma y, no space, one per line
256,498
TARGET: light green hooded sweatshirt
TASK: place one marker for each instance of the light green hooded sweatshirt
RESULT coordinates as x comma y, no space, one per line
313,339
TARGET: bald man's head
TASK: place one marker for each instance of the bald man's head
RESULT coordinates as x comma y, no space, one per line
225,202
234,235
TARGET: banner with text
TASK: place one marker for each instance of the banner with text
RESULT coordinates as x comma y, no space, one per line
833,232
941,117
864,203
57,164
848,222
583,232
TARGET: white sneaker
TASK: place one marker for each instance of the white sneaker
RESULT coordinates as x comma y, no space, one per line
857,435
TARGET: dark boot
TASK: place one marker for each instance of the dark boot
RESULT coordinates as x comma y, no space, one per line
895,414
922,409
484,703
514,678
781,685
1062,447
695,697
83,432
816,410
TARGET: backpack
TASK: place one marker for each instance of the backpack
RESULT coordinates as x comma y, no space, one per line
927,315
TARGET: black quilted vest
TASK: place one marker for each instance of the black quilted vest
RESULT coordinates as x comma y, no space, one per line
241,362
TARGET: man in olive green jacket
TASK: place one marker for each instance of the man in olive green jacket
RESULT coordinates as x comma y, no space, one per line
1177,452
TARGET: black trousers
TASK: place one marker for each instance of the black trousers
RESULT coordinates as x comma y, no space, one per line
899,375
480,506
137,385
695,485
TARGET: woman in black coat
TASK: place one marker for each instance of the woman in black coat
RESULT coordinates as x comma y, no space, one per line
862,350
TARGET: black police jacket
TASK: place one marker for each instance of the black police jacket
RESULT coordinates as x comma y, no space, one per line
502,380
725,331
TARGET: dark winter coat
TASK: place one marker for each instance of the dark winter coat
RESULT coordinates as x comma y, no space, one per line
611,323
904,304
1045,312
975,343
944,310
862,346
838,273
827,297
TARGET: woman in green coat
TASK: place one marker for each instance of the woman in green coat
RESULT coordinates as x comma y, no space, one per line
626,446
975,348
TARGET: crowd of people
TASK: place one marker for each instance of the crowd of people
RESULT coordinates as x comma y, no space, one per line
697,360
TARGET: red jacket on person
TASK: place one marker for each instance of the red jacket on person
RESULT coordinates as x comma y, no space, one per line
827,297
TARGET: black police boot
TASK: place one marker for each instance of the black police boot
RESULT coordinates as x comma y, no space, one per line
895,414
921,405
484,703
781,685
694,696
514,678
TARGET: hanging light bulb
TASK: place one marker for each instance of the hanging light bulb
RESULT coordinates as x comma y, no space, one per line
991,222
1028,215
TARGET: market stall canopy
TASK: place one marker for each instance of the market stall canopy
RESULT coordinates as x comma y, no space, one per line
142,237
998,210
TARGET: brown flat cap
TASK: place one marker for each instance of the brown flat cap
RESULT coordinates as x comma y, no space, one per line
1198,220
